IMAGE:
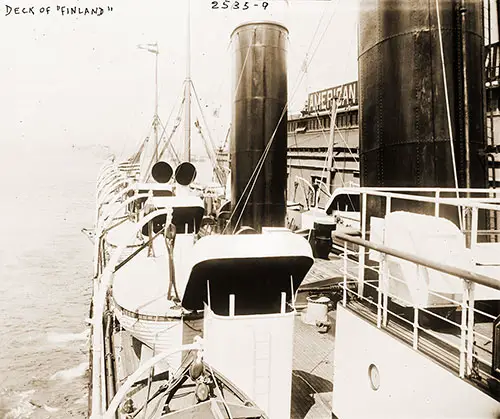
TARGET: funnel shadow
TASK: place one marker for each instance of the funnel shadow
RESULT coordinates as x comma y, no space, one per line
304,386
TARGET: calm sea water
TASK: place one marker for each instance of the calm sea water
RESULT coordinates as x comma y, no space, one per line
45,278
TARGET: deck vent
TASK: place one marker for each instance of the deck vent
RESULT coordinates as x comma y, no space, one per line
162,172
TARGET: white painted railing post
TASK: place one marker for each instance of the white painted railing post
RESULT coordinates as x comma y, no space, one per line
361,256
385,289
379,308
231,305
344,294
470,327
436,204
415,328
384,267
463,330
292,292
471,287
208,293
474,228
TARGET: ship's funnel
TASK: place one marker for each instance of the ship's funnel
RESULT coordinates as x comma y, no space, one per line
162,172
259,118
404,127
185,173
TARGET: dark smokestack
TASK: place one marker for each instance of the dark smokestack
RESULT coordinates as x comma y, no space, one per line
404,135
259,114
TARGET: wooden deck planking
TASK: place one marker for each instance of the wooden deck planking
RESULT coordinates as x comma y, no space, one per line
312,372
329,270
313,352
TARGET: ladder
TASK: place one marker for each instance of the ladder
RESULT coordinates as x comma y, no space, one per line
262,368
492,70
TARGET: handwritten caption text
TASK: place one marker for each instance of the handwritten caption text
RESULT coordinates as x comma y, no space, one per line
60,10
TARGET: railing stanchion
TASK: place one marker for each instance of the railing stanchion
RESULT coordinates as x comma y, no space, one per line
463,330
471,287
415,328
470,327
474,228
436,204
344,294
361,255
379,306
384,267
385,288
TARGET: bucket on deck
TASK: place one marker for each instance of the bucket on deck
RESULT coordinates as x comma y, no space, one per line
317,310
323,238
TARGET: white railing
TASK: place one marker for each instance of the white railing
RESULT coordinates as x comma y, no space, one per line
488,200
468,335
373,292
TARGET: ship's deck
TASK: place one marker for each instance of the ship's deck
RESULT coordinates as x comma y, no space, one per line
312,372
314,352
312,379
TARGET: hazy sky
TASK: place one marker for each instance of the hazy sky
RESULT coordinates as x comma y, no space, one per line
81,79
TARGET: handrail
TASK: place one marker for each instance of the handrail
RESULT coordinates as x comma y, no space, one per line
441,267
416,189
465,202
110,187
110,172
115,199
106,166
106,181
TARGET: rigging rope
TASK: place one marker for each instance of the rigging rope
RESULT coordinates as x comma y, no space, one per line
448,113
140,249
136,156
210,151
333,121
164,127
301,168
168,144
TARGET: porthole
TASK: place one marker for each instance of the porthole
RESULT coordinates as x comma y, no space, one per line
374,377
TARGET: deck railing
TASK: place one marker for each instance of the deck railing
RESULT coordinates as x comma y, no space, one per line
468,349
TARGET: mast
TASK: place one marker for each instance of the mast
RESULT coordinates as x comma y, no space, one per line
330,146
149,154
155,123
187,91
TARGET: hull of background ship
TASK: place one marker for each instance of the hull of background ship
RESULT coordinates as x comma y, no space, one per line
145,303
